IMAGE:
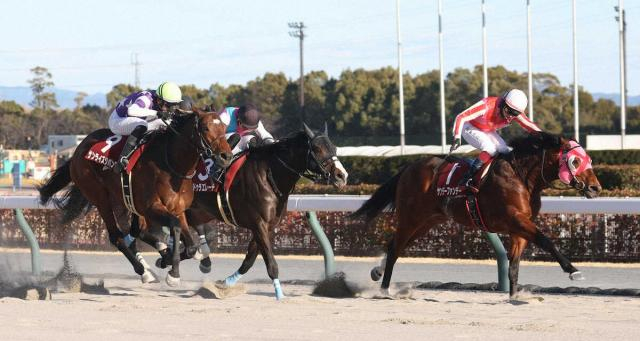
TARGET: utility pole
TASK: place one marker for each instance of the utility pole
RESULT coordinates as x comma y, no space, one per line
530,69
136,66
622,28
443,135
299,33
485,78
400,80
576,111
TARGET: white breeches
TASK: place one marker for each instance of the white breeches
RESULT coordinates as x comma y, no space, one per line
125,125
489,142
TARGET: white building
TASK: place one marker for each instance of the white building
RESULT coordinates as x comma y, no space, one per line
63,144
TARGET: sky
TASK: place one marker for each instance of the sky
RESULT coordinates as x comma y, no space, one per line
88,45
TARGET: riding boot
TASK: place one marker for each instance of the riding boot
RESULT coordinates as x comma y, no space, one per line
129,148
471,172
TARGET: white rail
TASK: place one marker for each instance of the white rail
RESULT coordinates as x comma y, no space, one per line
349,203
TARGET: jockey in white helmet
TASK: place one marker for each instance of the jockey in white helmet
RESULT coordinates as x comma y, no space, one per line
142,111
478,125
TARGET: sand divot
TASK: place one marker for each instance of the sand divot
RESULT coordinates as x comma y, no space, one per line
335,286
524,297
219,291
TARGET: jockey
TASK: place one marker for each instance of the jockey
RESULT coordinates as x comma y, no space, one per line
245,121
142,111
478,125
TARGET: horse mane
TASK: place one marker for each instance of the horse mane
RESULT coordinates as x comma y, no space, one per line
533,144
282,144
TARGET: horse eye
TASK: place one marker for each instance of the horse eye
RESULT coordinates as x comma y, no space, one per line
576,162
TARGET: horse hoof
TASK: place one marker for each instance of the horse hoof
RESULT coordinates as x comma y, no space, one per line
205,269
160,264
172,281
577,276
376,274
148,277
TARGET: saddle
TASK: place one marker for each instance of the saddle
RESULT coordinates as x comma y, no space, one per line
450,184
205,182
106,152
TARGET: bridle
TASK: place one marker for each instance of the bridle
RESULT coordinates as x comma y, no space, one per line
203,148
575,182
322,173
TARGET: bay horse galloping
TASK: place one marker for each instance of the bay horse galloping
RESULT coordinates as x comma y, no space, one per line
258,196
161,184
508,198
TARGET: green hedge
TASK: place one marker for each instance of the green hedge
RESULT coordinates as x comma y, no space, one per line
615,157
376,170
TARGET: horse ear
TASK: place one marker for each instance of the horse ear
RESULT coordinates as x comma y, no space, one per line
326,130
308,131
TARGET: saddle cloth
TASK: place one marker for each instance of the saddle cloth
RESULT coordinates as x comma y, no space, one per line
202,183
451,175
106,152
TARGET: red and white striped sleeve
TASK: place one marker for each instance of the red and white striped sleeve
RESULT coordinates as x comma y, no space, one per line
472,113
527,124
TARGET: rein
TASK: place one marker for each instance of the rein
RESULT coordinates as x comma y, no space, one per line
325,175
203,148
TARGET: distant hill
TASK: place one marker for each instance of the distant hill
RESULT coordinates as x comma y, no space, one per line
615,97
23,95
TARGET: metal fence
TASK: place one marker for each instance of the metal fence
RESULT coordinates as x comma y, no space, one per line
582,237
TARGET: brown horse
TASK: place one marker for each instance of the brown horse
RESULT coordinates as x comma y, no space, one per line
160,184
261,189
509,199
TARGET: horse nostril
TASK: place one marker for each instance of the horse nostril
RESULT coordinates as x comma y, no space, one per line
595,188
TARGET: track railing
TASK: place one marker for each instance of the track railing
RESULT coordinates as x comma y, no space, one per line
350,203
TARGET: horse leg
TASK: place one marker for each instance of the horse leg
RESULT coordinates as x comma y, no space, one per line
203,252
116,237
158,214
518,245
261,234
247,263
541,241
136,232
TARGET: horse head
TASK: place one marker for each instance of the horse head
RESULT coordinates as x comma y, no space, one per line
323,159
210,139
572,163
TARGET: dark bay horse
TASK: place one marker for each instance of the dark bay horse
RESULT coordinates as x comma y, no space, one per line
261,189
509,199
160,184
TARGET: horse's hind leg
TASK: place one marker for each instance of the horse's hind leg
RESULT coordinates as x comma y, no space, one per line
398,243
518,244
247,263
116,237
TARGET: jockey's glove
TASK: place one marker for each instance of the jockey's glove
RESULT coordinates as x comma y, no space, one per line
456,143
164,115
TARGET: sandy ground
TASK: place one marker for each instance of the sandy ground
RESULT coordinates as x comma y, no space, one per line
132,310
148,312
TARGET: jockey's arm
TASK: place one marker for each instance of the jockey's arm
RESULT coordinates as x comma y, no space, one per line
140,108
527,124
472,113
263,133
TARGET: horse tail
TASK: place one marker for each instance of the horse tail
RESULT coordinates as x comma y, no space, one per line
60,179
72,204
383,197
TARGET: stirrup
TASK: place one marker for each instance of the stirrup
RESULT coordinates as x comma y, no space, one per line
471,186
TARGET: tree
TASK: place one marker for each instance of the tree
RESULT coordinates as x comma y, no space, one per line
80,96
41,80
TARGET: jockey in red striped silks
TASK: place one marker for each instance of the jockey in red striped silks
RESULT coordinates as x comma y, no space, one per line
479,123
